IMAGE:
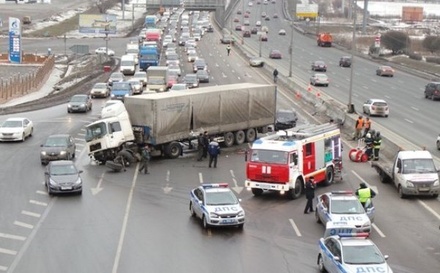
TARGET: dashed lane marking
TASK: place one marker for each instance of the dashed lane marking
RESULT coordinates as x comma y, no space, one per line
25,225
12,237
428,208
30,213
200,178
38,203
8,251
295,228
378,231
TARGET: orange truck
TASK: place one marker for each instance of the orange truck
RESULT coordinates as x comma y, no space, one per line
324,39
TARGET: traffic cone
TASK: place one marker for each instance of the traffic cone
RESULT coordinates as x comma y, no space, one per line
318,95
298,95
309,88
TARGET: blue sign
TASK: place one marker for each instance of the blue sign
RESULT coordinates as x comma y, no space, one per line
14,40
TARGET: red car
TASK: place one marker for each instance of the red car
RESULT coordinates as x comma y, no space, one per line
172,79
236,20
246,33
275,54
263,38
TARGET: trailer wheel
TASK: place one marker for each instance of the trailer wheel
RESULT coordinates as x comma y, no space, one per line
250,135
329,176
229,139
173,150
240,137
297,191
257,192
382,176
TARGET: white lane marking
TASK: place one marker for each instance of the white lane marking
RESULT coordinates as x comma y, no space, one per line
428,208
42,192
224,76
7,251
236,188
415,108
38,203
388,97
408,120
3,268
295,228
373,80
12,237
21,224
365,87
378,231
124,223
29,213
374,188
200,178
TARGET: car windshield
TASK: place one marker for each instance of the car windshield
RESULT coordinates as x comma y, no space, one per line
156,81
139,76
12,123
127,63
221,198
78,99
418,166
100,86
286,115
95,131
116,76
149,57
56,142
63,170
352,206
267,156
121,85
172,56
321,76
362,254
178,87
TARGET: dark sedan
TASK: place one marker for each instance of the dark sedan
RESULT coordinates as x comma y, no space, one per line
57,147
79,103
319,66
62,177
203,76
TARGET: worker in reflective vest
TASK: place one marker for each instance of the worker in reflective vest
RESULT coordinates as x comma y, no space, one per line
364,193
358,128
377,141
367,127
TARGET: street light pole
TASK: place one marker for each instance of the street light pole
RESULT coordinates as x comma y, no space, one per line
259,52
353,50
291,49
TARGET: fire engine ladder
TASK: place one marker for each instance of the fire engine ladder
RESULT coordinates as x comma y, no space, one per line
303,131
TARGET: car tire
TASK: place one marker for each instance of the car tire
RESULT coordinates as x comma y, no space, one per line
318,220
326,85
191,209
205,224
321,264
23,137
173,150
257,192
295,193
251,135
32,131
240,226
438,145
229,139
400,191
239,137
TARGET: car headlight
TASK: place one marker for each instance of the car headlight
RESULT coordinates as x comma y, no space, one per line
53,183
63,152
241,214
43,153
126,95
112,95
83,105
366,224
409,184
161,89
69,105
213,215
436,183
78,181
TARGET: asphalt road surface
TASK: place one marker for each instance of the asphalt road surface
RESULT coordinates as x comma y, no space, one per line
127,222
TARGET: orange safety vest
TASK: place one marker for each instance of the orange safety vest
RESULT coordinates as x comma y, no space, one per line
368,124
360,123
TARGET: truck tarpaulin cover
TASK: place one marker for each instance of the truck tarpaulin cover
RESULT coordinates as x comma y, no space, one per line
174,115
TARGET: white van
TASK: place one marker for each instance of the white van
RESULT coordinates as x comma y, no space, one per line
128,65
133,49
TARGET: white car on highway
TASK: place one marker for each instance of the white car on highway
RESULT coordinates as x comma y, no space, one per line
376,107
103,50
16,129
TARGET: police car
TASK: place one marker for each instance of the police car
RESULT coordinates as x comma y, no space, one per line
344,207
351,253
216,205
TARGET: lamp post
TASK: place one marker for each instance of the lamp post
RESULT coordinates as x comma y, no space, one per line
353,50
291,49
259,51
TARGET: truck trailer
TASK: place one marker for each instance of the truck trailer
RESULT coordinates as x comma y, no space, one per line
233,114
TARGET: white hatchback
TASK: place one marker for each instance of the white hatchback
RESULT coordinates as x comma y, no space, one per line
376,107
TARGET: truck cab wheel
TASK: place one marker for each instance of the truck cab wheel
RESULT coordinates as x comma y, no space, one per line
329,176
257,192
297,191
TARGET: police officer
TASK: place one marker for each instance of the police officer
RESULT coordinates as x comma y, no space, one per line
213,151
369,146
275,75
364,193
228,49
205,144
310,195
200,147
377,141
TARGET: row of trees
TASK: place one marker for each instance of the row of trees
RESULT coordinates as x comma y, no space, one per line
398,41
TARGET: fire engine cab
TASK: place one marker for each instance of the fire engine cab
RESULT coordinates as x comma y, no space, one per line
283,161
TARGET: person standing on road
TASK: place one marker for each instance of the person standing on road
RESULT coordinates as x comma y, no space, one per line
358,128
369,146
205,144
145,159
275,75
213,151
367,127
364,193
200,147
377,141
310,195
228,49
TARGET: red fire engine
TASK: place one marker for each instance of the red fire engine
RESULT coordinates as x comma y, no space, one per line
283,161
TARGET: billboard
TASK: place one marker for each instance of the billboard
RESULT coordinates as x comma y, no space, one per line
14,40
97,23
306,10
412,14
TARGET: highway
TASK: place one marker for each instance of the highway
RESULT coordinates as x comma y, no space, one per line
127,222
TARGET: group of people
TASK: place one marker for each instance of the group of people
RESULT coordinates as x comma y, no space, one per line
373,139
363,193
207,146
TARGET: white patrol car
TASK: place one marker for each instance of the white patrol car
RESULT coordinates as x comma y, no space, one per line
216,205
343,207
351,253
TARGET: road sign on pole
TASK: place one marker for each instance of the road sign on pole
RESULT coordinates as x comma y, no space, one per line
80,49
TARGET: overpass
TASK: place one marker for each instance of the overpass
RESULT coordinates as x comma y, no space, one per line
187,4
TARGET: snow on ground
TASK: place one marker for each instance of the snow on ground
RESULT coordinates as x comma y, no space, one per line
395,8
